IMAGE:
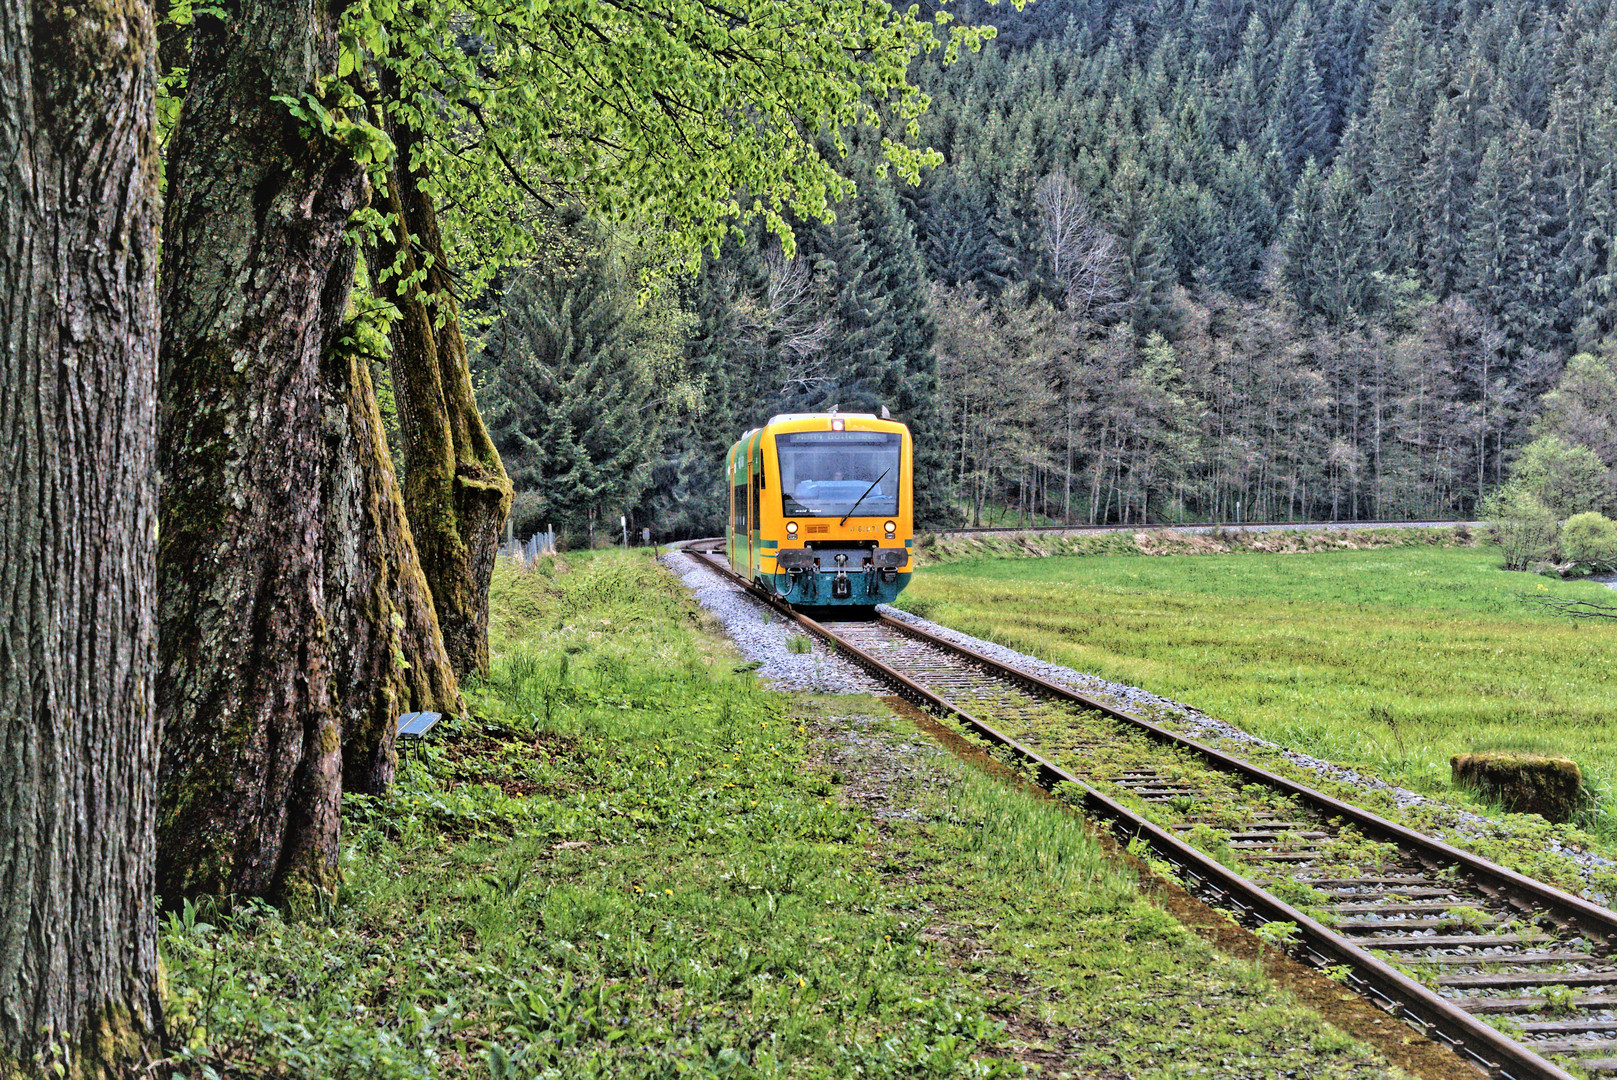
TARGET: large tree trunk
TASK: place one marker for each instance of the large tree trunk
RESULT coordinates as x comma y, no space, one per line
388,655
455,488
78,361
256,274
296,620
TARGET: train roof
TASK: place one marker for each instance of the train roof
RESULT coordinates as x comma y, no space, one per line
782,418
863,419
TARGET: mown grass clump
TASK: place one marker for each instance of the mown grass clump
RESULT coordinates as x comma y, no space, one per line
1390,660
635,862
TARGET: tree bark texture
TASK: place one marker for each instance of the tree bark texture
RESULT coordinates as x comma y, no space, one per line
455,488
388,655
256,276
78,362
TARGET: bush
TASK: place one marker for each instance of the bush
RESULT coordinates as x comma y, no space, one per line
1565,477
1523,527
1590,539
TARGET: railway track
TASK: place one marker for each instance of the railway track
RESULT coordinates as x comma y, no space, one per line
1197,527
1513,974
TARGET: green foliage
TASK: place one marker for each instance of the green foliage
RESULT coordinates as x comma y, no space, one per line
1582,409
1557,1000
1590,538
685,117
1463,917
1279,933
1567,478
1522,525
579,381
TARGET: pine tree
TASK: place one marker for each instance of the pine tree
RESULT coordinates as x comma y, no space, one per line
572,368
1395,130
1446,181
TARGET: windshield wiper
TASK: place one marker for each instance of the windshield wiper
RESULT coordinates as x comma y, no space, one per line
861,498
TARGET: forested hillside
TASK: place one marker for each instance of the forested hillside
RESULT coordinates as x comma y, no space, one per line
1318,259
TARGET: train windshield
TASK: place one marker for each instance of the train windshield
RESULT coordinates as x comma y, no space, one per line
838,473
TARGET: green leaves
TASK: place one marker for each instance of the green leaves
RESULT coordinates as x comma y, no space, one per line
335,113
692,117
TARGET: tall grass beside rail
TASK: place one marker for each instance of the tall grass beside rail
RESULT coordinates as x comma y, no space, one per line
1390,659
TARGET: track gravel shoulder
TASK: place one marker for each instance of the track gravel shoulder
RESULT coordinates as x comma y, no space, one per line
767,640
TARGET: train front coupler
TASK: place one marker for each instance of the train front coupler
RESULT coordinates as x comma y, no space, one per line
841,587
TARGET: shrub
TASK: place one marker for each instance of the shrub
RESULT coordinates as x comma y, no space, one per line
1523,527
1566,477
1590,539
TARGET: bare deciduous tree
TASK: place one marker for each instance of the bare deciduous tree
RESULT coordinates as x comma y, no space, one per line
1085,259
787,321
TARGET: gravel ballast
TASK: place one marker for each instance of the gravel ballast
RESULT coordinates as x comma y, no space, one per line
766,639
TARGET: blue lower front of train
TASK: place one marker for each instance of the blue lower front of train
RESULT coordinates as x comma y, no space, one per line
827,588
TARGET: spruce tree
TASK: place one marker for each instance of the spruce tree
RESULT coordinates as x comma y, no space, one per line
571,382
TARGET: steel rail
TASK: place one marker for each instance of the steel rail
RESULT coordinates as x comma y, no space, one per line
1435,1015
1587,917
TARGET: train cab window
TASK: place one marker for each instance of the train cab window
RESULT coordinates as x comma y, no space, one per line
838,473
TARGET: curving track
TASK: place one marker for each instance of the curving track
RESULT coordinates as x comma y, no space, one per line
1513,974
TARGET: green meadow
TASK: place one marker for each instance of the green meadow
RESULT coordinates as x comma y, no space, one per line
1390,659
634,861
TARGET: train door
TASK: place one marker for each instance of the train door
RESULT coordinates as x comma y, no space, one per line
752,508
737,544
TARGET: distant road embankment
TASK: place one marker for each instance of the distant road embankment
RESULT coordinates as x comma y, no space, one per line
992,532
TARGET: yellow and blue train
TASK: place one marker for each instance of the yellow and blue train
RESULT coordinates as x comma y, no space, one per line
821,508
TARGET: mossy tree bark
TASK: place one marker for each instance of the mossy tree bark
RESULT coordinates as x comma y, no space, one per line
296,621
78,363
388,653
456,490
256,275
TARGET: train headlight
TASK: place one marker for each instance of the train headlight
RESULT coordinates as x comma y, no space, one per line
890,527
791,528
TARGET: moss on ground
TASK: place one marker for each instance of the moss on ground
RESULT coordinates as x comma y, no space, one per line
1523,783
634,861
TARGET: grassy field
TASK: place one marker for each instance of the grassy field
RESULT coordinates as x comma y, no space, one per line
1388,659
636,862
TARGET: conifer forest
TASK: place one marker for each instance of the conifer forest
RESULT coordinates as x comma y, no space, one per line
1321,258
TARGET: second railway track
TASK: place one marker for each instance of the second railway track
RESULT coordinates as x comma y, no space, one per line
1515,975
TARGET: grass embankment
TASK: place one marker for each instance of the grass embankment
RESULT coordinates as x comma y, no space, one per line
636,862
1160,540
1390,660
